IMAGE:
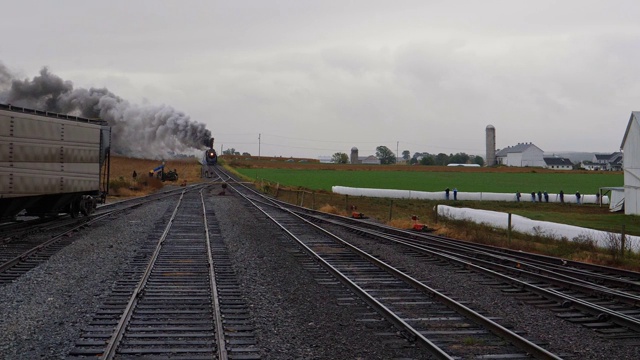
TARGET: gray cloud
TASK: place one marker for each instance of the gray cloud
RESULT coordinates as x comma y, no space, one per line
326,76
140,131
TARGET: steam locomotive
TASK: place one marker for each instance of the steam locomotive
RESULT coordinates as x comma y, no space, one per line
51,163
209,160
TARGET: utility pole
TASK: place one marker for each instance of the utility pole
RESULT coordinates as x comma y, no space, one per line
259,146
397,146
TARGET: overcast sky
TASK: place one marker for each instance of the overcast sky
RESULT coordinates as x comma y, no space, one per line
319,77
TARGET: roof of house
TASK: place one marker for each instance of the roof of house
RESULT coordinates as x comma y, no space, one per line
617,160
557,161
368,159
634,116
611,158
516,149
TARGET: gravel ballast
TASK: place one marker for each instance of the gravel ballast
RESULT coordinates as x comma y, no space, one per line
44,310
295,316
297,313
538,324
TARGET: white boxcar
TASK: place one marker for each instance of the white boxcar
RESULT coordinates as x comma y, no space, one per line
50,163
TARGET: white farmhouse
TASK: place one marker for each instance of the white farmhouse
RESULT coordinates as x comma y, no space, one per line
558,163
631,148
521,155
611,162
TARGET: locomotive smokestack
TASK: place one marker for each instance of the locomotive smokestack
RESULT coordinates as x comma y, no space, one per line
211,144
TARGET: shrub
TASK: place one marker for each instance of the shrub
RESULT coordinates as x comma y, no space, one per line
120,182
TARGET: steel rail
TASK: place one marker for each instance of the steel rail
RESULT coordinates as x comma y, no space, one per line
545,259
217,313
585,306
594,309
386,313
522,260
552,277
112,344
94,218
494,327
520,267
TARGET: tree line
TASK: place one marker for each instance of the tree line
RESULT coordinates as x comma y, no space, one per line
386,157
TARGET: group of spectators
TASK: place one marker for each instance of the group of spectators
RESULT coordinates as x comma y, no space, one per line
540,195
455,193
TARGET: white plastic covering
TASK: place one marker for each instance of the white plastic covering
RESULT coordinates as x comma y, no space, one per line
499,219
440,195
528,226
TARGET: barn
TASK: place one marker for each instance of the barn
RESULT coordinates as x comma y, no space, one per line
521,155
631,148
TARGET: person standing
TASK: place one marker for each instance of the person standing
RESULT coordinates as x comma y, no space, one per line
446,193
539,196
533,196
562,196
578,197
455,194
546,196
518,196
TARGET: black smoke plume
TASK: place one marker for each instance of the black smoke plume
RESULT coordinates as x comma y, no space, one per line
139,131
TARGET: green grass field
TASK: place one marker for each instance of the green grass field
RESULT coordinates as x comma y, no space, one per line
437,181
395,211
507,182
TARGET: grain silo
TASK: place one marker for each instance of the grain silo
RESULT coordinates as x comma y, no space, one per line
354,155
491,145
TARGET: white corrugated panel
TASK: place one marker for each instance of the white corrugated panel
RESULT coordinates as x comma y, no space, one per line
632,167
40,155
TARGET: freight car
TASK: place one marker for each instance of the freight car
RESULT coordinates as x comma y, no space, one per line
51,163
209,160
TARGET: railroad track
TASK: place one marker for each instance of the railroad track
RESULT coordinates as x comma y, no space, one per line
180,299
440,324
603,299
22,252
599,300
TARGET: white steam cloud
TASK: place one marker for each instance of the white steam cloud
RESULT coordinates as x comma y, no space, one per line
139,131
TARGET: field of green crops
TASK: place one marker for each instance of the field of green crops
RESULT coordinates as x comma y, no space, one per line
569,182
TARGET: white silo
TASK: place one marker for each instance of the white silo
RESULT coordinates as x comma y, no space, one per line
354,155
491,145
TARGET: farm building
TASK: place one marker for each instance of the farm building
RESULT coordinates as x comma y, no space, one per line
590,165
521,155
356,159
371,160
631,146
558,163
